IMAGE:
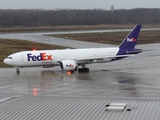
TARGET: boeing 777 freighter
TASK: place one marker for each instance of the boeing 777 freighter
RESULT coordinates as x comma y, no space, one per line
71,59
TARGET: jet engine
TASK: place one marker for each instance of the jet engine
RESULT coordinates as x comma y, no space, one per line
68,65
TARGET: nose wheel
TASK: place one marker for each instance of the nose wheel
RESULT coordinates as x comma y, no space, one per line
18,71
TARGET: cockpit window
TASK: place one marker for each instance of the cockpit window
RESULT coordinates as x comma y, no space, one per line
9,57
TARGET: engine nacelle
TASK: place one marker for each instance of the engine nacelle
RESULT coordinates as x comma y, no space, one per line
68,65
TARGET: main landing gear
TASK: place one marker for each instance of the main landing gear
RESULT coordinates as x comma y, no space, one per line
83,69
18,71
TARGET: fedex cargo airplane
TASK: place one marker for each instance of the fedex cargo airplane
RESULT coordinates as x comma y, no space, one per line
75,59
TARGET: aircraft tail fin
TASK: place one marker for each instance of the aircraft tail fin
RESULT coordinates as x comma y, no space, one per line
130,41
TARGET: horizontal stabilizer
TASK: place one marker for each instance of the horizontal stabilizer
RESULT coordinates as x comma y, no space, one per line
135,51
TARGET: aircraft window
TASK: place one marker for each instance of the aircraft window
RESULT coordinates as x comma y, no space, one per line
9,57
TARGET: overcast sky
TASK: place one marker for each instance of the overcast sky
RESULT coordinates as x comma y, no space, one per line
78,4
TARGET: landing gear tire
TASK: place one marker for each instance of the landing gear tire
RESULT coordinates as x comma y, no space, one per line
83,70
18,71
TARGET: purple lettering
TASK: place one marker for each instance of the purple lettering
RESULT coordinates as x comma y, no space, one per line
40,57
34,58
29,56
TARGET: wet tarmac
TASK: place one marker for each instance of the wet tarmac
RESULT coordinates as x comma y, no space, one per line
38,93
48,93
137,76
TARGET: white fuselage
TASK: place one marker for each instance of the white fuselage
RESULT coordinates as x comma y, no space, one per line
52,57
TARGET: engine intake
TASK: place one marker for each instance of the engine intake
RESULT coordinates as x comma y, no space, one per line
68,65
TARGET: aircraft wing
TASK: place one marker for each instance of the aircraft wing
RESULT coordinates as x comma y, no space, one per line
100,58
83,60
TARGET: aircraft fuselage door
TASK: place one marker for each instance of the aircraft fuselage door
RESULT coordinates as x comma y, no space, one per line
22,59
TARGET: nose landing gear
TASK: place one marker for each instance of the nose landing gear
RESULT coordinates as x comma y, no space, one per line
18,71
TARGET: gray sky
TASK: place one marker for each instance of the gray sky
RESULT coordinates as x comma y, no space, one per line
78,4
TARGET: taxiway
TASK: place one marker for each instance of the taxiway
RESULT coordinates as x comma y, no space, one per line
38,93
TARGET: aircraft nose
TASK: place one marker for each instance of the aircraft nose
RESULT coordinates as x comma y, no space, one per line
4,60
7,61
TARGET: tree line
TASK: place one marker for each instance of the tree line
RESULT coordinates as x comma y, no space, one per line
31,18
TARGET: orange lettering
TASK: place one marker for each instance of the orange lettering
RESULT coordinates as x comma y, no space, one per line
49,57
43,56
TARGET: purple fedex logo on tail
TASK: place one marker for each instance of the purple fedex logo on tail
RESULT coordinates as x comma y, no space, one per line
131,40
40,57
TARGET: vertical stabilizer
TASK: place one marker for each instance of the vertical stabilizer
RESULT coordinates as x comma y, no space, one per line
130,41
